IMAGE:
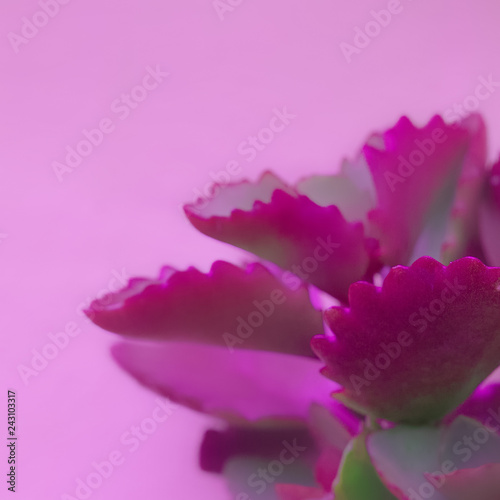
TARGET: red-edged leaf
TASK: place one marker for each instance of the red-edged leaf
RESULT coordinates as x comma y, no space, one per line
416,348
490,217
241,387
432,462
415,172
237,308
313,242
462,235
481,482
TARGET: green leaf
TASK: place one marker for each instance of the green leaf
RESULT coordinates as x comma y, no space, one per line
357,478
430,462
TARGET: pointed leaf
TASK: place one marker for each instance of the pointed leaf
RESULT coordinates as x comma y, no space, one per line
237,308
241,387
416,348
315,243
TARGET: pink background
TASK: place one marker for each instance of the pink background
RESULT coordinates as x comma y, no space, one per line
118,211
